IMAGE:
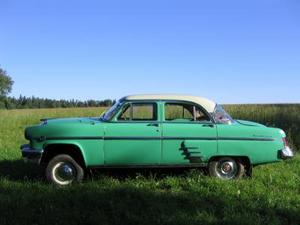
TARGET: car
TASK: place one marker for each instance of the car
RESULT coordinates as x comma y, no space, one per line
154,131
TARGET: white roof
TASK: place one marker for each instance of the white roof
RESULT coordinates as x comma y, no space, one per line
207,104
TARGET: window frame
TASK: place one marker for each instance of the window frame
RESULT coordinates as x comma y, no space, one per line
165,103
130,103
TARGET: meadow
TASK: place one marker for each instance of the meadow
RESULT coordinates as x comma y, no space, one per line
189,197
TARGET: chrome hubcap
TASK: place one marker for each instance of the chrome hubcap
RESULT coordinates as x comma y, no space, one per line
227,169
64,173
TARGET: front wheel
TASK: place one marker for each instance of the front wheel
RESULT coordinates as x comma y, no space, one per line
226,168
63,170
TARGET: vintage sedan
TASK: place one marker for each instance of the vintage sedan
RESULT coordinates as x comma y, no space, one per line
154,131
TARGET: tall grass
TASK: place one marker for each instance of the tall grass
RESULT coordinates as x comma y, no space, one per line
272,196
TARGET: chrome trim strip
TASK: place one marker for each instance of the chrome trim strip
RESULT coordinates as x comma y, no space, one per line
132,138
155,166
244,139
73,138
159,138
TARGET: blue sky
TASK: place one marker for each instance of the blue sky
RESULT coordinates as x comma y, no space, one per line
229,51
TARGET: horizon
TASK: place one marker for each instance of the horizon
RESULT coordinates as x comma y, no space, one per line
231,52
85,100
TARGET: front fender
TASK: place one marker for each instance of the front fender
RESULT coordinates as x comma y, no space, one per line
91,150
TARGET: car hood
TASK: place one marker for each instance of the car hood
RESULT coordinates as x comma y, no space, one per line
67,127
53,121
249,123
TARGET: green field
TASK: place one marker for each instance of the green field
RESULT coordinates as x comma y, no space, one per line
189,197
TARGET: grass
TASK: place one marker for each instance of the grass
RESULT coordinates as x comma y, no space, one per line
272,196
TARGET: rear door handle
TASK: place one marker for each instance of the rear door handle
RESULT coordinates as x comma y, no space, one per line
153,125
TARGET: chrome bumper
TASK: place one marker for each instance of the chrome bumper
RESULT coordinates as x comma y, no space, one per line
286,153
31,155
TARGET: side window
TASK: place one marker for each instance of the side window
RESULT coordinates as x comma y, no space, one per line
139,112
178,112
181,112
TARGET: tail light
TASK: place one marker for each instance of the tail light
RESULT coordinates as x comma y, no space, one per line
285,142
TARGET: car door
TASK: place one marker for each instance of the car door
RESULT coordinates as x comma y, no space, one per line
134,136
189,135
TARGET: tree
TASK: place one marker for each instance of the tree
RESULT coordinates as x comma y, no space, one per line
6,83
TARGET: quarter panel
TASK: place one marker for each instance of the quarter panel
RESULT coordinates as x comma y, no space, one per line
259,144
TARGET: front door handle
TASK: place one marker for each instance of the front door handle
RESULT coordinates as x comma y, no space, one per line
208,125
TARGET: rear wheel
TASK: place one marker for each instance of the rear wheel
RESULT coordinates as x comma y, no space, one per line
226,168
63,170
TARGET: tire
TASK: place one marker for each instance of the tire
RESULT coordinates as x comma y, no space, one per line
226,168
63,170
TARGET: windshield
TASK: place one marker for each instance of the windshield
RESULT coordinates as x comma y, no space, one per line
111,111
221,116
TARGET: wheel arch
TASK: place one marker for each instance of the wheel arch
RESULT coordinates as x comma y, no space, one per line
53,149
244,158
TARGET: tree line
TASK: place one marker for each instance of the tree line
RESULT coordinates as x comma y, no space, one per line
23,102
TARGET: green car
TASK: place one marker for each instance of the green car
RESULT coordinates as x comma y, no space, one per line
154,131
